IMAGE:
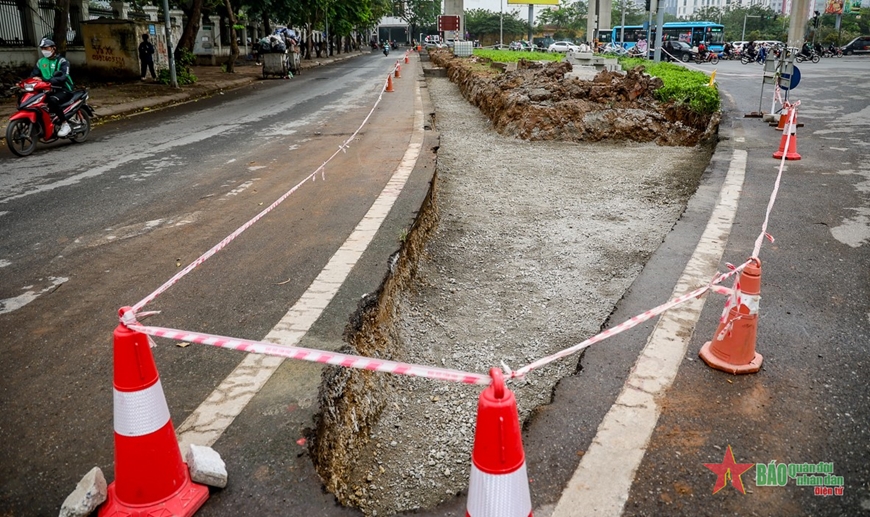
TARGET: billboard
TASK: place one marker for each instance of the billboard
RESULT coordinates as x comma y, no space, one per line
534,2
834,7
448,23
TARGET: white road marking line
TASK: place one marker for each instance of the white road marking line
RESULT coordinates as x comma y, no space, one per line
13,304
626,429
208,422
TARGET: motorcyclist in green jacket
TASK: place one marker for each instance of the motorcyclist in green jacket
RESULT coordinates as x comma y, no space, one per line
55,69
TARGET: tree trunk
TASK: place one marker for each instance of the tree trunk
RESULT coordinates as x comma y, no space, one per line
61,25
234,44
188,36
266,24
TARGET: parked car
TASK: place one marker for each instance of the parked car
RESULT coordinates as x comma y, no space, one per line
563,46
679,50
859,45
519,45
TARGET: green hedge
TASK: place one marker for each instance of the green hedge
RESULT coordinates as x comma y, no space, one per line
681,85
509,56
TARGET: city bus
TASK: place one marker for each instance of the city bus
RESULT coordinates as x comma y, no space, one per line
712,34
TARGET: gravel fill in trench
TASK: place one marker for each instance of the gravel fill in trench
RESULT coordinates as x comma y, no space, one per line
536,243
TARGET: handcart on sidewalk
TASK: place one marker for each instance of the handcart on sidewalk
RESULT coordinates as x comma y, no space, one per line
282,64
276,63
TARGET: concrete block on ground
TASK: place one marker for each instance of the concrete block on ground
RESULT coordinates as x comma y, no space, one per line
206,466
89,493
583,73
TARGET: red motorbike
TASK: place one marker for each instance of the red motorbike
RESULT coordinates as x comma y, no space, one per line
33,122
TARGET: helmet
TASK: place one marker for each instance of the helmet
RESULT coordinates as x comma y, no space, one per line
46,43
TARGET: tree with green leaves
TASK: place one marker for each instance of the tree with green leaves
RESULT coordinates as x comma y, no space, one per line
483,24
420,13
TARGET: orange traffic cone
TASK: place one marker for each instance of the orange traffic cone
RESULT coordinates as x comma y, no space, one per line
499,485
789,134
733,346
406,58
389,83
150,476
398,70
784,117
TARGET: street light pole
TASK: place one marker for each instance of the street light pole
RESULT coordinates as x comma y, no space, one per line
501,26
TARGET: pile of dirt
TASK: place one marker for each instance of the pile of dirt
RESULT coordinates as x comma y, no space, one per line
538,102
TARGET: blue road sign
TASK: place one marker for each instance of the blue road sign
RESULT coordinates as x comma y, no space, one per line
790,81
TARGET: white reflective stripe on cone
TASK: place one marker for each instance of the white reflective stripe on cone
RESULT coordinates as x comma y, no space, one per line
499,495
139,413
751,301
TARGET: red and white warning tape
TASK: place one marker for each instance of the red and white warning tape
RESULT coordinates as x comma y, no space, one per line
222,244
317,356
414,370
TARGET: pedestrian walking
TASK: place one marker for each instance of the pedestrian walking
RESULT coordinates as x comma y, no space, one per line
146,57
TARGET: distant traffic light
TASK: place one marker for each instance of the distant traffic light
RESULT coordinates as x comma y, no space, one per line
648,6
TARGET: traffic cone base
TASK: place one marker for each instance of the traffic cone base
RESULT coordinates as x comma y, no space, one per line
709,356
185,502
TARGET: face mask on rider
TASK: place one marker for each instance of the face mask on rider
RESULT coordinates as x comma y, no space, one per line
47,53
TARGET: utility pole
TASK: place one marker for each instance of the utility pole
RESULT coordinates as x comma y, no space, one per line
501,26
173,79
622,27
660,21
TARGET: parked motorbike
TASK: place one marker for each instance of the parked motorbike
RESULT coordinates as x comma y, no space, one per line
832,52
33,122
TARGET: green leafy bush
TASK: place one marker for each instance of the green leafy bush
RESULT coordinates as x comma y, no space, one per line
183,74
681,85
509,56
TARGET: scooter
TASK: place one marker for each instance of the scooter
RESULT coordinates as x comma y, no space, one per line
386,49
33,122
709,57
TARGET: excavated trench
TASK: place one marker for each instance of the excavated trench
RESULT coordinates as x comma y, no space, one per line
478,277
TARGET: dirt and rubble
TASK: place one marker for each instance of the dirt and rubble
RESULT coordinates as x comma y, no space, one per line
540,101
529,238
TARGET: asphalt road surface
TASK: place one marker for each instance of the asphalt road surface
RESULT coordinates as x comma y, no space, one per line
808,404
88,228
